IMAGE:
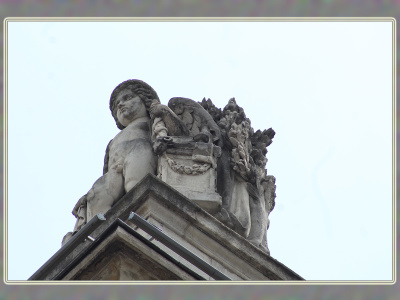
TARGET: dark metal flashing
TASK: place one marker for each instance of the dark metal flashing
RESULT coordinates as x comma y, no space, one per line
154,186
75,240
151,186
157,249
176,247
112,227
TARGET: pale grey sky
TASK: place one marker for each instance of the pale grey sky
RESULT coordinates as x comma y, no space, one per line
324,87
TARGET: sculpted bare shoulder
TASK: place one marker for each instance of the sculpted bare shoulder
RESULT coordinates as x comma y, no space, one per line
130,155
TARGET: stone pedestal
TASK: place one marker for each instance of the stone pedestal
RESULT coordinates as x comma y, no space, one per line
192,172
118,250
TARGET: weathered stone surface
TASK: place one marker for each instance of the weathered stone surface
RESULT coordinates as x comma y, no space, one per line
121,254
129,156
211,156
192,171
205,236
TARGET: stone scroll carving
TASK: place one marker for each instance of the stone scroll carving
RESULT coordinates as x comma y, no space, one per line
211,155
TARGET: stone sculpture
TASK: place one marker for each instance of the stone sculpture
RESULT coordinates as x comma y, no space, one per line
248,194
129,156
210,155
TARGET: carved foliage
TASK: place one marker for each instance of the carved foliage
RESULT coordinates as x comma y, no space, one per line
248,148
248,194
196,169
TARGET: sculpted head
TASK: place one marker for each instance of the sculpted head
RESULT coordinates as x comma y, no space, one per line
129,90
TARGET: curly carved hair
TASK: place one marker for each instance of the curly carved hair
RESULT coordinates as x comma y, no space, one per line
140,88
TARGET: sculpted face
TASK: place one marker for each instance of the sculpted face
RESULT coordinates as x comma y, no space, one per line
129,107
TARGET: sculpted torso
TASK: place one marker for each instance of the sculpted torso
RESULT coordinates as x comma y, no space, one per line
130,155
131,152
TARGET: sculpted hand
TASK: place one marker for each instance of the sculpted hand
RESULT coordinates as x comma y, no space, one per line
160,145
158,109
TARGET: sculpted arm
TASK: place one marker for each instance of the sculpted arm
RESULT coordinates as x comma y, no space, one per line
172,123
103,189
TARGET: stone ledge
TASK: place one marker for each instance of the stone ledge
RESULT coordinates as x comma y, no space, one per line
200,223
132,259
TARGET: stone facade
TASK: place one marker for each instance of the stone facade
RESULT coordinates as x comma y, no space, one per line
213,159
116,249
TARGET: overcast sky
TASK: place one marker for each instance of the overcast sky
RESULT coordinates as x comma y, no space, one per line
324,87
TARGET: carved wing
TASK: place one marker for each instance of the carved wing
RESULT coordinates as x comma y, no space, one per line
196,119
